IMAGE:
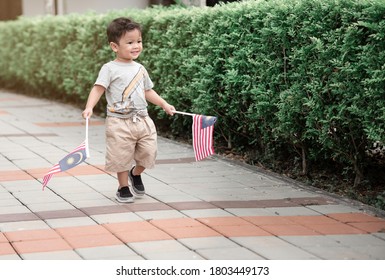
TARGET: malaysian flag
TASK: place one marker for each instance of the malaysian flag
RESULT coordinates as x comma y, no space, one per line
74,158
202,131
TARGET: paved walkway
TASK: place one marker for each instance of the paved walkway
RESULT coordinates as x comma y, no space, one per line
213,209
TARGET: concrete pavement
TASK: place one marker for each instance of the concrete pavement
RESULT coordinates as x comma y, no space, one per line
213,209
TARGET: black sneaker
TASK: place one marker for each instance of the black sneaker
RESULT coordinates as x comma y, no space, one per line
137,184
124,195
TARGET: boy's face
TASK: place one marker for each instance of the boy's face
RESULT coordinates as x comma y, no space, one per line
129,47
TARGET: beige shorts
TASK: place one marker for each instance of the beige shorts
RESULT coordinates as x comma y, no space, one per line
129,141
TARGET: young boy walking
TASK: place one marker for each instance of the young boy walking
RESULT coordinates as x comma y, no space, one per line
130,132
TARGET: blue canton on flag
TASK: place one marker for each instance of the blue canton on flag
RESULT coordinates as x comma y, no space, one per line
76,157
73,159
208,121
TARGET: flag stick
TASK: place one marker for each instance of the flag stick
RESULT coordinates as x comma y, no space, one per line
87,149
184,113
87,128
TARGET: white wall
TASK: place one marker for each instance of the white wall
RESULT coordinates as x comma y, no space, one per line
76,6
198,3
33,7
45,7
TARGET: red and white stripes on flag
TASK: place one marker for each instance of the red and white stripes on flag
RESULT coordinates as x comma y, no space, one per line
74,158
203,132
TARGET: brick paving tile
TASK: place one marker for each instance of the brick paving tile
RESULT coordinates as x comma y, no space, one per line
153,206
176,223
269,220
370,227
143,235
191,232
129,226
16,175
287,230
93,240
3,238
81,230
57,214
354,217
316,220
191,205
16,217
336,228
6,249
109,209
223,221
34,246
240,230
24,235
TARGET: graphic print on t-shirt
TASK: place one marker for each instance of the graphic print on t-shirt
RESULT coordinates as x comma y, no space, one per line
126,105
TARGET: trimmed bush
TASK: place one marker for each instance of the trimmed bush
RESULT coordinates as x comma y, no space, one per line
299,81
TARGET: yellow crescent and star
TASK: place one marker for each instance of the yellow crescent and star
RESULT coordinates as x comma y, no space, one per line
71,160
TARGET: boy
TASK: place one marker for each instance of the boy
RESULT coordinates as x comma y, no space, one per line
130,132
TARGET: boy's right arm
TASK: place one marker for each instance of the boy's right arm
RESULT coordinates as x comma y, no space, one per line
95,94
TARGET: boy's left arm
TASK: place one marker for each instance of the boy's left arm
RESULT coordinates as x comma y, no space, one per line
155,99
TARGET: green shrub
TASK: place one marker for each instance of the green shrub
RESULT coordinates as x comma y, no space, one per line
301,79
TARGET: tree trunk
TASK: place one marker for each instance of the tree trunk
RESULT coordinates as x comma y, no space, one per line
359,173
305,169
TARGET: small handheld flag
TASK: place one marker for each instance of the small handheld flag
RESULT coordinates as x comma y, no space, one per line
74,158
203,132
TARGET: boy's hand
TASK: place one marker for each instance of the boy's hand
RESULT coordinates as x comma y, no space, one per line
87,113
169,109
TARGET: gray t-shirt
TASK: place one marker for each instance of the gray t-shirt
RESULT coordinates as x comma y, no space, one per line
125,84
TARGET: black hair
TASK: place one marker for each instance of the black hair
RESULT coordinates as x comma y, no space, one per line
119,26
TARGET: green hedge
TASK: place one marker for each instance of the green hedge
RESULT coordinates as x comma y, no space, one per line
303,79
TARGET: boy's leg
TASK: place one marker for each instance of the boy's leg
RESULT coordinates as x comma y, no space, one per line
123,193
145,154
136,180
137,170
122,178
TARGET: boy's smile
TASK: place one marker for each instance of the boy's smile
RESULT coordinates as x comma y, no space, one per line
129,47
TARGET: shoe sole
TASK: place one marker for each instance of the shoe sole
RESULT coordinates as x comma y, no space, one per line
124,200
136,192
